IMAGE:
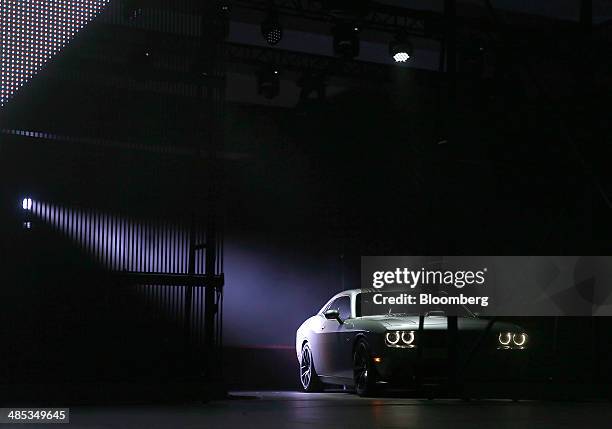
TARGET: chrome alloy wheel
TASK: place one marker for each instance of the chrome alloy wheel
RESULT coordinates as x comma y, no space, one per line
306,367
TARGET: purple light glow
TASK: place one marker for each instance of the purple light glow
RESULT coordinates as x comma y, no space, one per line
123,244
271,285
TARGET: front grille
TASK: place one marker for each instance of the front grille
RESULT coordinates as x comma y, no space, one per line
439,339
434,339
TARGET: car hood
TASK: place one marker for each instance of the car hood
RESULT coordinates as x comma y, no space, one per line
391,322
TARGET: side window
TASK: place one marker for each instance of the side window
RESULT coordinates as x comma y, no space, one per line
343,305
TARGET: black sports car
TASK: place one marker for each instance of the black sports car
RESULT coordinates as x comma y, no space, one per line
344,346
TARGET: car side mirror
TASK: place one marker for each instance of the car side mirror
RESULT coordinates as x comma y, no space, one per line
333,314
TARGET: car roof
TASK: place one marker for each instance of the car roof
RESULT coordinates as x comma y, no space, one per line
354,291
349,292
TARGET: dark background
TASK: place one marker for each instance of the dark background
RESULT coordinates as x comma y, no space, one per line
515,165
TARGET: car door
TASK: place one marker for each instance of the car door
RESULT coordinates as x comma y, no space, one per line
345,334
333,340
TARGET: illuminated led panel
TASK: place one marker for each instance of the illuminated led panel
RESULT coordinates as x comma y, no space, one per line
32,31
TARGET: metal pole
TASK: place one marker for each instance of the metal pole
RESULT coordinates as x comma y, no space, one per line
451,66
210,306
212,45
189,297
420,351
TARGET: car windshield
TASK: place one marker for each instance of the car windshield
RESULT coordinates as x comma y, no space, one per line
365,306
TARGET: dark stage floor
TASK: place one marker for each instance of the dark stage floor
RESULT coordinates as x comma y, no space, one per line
338,410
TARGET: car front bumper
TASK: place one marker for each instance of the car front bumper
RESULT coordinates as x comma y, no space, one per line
402,366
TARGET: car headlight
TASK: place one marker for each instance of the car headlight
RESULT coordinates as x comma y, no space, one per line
408,337
519,340
505,338
512,340
392,338
402,339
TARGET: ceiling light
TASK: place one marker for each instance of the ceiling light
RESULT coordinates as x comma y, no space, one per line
268,83
400,50
271,28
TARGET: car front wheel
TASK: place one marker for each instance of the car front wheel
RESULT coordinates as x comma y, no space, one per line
363,374
308,375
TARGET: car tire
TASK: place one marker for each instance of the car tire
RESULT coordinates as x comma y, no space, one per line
363,373
308,375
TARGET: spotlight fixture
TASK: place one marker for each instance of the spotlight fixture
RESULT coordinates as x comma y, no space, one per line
271,28
400,49
268,83
26,204
224,7
223,10
346,39
203,67
312,85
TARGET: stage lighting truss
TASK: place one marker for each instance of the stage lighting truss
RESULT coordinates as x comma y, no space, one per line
374,16
33,31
